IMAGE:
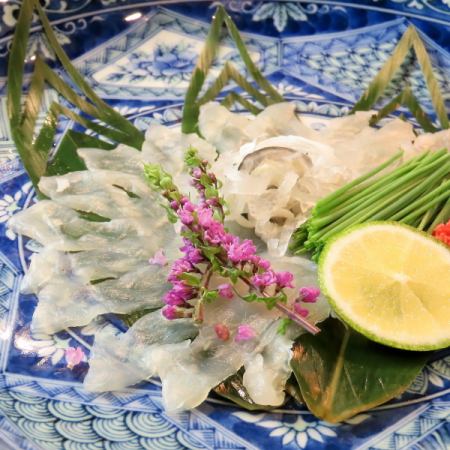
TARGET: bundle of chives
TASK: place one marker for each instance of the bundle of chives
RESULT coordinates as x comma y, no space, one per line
416,193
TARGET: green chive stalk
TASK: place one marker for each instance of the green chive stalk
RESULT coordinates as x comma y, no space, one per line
416,193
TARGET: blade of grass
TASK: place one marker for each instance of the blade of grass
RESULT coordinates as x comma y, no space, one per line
406,99
427,69
409,41
16,62
249,64
209,51
109,133
109,115
232,98
191,105
229,72
383,78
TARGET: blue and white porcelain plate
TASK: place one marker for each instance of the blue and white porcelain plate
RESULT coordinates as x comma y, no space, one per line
139,56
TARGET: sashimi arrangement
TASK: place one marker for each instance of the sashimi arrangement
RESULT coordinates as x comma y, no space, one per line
248,252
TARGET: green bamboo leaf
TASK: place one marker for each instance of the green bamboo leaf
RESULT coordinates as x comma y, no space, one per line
409,41
341,373
66,158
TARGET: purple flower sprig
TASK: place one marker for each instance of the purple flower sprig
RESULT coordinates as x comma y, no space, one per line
209,248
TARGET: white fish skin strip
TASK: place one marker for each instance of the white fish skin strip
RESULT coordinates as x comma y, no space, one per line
229,131
342,149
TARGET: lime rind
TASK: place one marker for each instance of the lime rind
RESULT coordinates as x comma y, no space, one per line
443,343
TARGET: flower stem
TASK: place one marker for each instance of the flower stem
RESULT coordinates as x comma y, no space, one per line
298,319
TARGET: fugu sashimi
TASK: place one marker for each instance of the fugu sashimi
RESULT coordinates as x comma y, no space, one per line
120,360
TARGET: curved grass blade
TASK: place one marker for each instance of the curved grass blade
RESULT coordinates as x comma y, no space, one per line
34,152
192,104
406,99
108,114
109,133
249,64
409,41
427,69
16,62
232,98
33,163
229,72
191,108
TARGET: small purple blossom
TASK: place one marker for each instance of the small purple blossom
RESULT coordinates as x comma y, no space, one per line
205,217
240,251
263,280
225,290
192,254
185,216
208,248
179,294
260,262
159,258
285,279
309,294
74,355
300,310
222,331
244,333
188,205
215,234
180,266
169,312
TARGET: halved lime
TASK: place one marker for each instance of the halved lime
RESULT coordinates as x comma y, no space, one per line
391,283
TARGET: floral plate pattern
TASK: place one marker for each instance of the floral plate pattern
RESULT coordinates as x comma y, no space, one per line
321,54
